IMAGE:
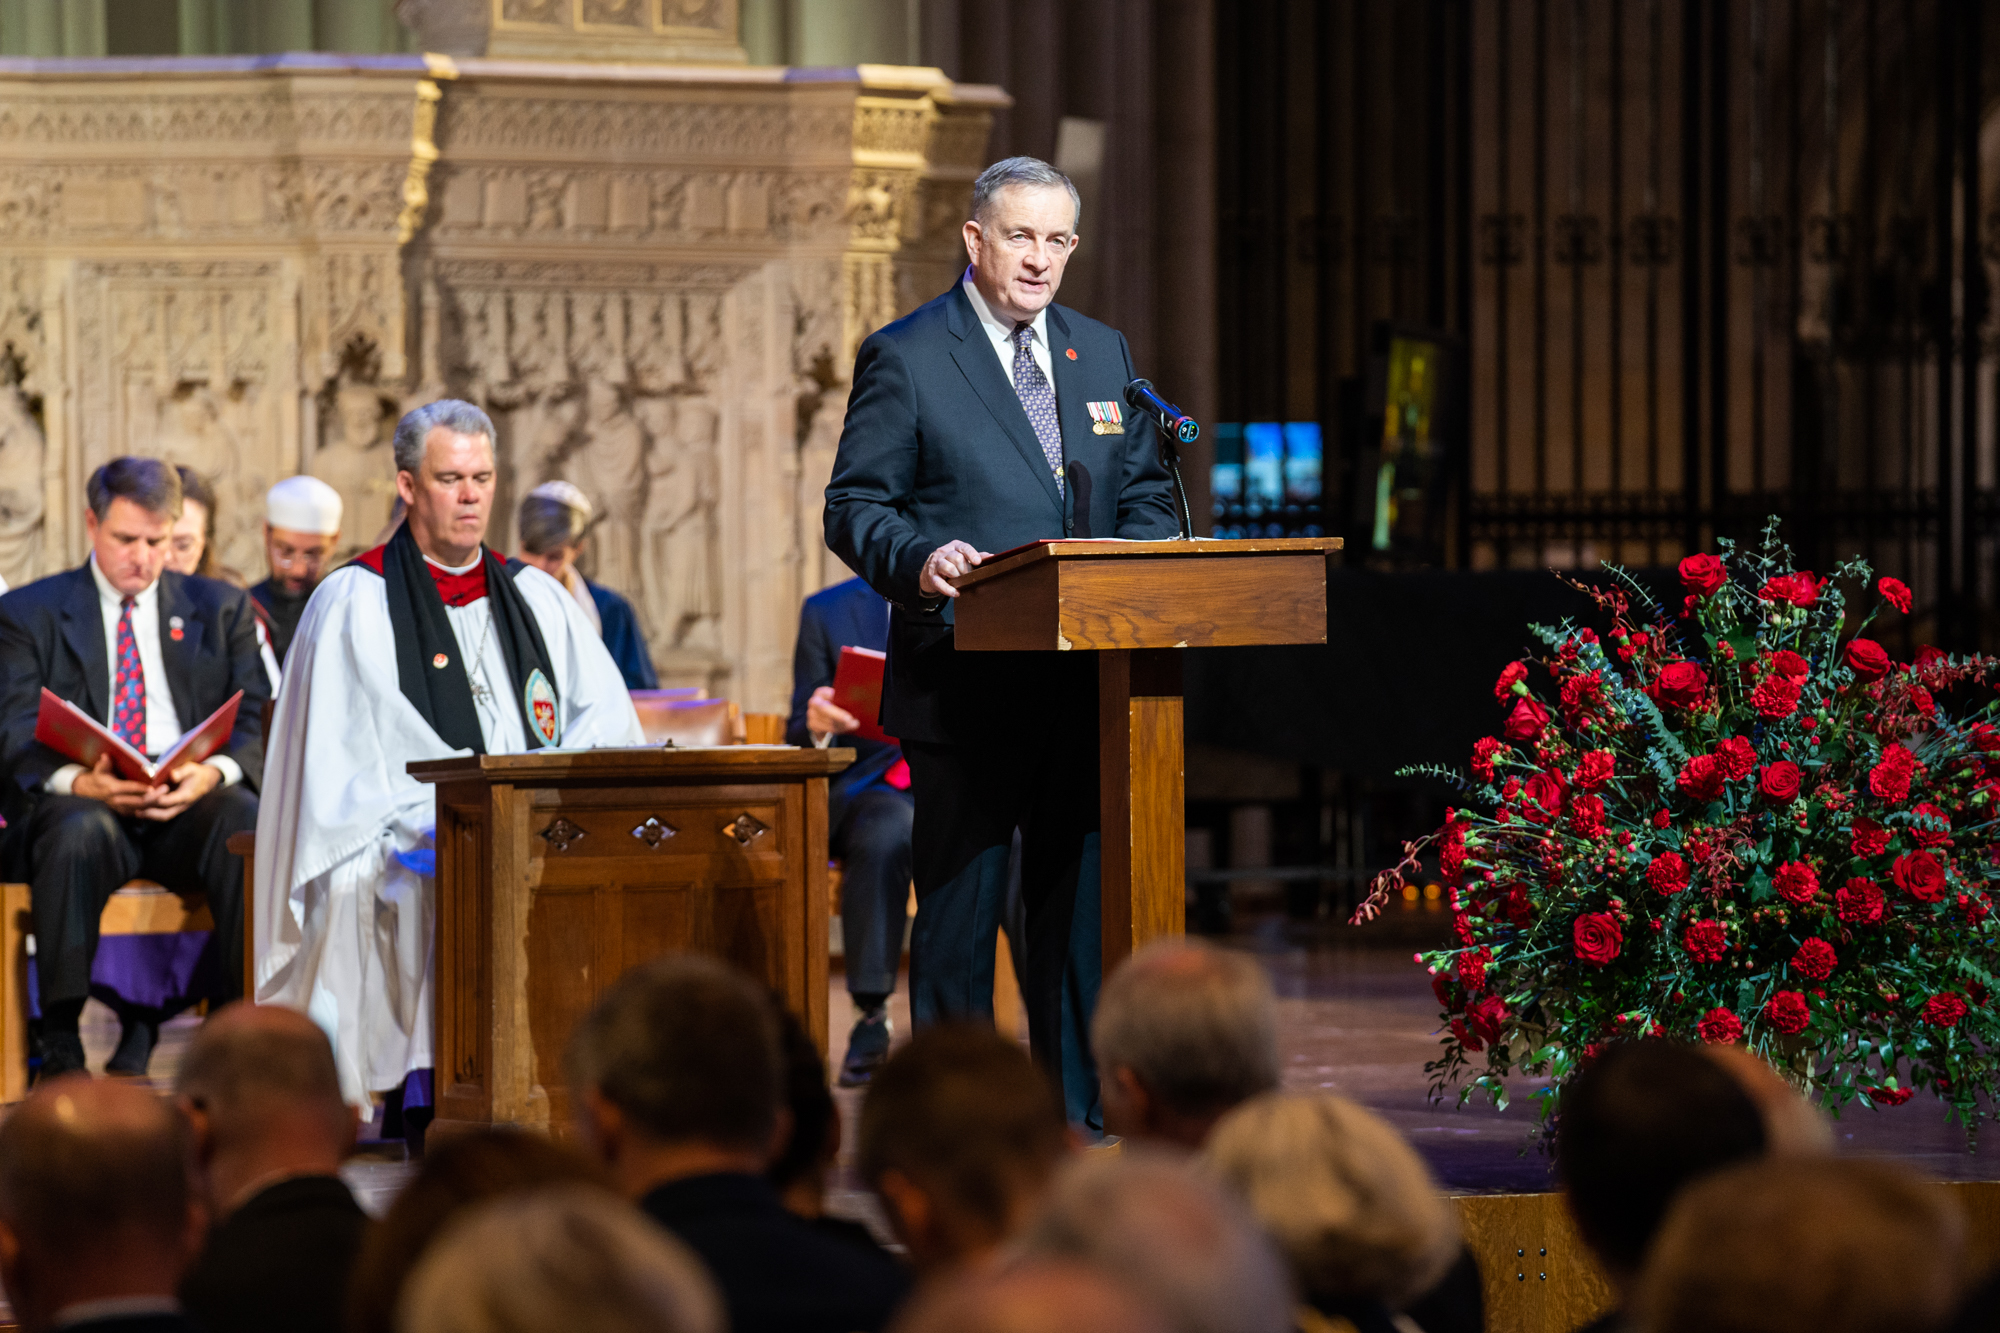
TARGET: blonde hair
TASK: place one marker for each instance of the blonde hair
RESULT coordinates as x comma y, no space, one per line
1351,1205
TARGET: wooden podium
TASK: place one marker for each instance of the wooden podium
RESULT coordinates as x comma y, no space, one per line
1134,604
558,871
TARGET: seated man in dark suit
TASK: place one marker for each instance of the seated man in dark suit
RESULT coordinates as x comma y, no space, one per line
151,654
96,1219
869,811
677,1075
554,519
262,1098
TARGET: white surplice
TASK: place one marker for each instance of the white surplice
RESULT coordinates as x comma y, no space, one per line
344,918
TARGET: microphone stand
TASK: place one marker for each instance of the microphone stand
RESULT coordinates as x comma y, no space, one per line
1170,454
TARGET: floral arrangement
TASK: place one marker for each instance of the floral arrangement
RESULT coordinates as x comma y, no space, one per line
1738,820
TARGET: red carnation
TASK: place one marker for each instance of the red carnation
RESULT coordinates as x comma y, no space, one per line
1859,902
1484,751
1815,959
1788,663
1703,574
1705,941
1800,589
1703,779
1932,828
1668,874
1485,1016
1737,757
1869,659
1796,882
1586,816
1895,592
1598,938
1889,1096
1510,675
1471,968
1543,799
1719,1027
1944,1011
1595,771
1984,737
1890,778
1513,906
1682,685
1869,838
1526,723
1919,875
1776,696
1788,1012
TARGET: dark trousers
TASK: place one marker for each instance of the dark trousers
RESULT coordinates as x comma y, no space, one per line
79,853
970,800
872,840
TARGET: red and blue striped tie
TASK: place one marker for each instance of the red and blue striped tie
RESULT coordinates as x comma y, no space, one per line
128,700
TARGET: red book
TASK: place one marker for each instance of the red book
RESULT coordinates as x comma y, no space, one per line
75,734
857,687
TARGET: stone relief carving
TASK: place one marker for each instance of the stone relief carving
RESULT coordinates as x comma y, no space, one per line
678,526
23,456
354,456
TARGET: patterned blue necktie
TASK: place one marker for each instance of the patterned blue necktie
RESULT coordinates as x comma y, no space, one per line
1038,399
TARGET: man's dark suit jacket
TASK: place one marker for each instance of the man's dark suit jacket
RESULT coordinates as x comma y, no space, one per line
937,448
849,614
52,634
282,1260
777,1273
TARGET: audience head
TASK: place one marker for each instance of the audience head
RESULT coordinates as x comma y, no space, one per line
553,518
95,1201
1021,234
445,474
1638,1125
1805,1245
677,1070
456,1175
1184,1032
1174,1236
262,1098
133,505
566,1256
960,1134
1038,1296
192,547
812,1145
301,529
1351,1205
1793,1126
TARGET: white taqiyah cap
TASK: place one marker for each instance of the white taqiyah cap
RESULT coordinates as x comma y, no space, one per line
303,504
563,492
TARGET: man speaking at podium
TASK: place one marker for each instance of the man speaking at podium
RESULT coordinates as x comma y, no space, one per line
984,420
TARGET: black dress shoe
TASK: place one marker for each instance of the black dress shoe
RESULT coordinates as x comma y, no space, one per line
135,1047
867,1049
61,1053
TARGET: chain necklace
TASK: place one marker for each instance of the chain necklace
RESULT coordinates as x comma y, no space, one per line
482,693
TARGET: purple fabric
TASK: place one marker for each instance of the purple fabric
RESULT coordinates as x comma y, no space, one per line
168,972
417,1090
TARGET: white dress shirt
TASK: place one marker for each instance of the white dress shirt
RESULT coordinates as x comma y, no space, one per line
1001,331
163,724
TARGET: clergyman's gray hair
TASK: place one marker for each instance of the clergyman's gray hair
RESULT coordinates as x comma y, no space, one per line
1197,1025
454,414
1019,171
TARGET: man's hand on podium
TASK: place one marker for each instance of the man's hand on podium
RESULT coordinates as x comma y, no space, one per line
824,717
951,561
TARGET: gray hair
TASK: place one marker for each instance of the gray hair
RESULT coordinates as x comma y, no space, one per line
570,1256
547,524
454,414
1019,171
1348,1201
1197,1025
1168,1232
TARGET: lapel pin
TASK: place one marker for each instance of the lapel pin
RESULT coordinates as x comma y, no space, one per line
439,661
176,634
1070,352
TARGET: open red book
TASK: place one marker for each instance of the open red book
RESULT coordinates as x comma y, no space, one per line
857,687
70,731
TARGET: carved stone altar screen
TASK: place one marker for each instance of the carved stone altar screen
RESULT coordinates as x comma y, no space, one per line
654,278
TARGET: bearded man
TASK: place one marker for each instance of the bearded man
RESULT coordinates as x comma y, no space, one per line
426,647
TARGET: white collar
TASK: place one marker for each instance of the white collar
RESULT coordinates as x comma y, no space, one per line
461,569
997,325
105,592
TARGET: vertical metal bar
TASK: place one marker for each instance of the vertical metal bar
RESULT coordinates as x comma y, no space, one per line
1867,212
1969,45
1906,291
1718,260
1539,100
1576,259
1461,84
1614,224
1800,441
1759,213
1432,221
1655,213
1691,256
1499,239
1278,67
1335,501
1943,182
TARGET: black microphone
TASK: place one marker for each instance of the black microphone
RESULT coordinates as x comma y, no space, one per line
1177,424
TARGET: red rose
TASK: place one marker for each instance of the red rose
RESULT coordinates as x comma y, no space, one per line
1595,771
1789,664
1510,675
1705,941
1448,996
1932,827
1719,1027
1703,574
1895,592
1682,685
1526,723
1543,799
1776,696
1944,1011
1485,1016
1796,882
1869,659
1703,779
1869,838
1598,938
1800,589
1737,757
1668,874
1859,902
1788,1012
1781,781
1889,1096
1984,737
1586,816
1815,960
1484,751
1919,875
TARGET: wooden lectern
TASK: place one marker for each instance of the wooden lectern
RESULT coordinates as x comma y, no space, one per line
559,870
1134,604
